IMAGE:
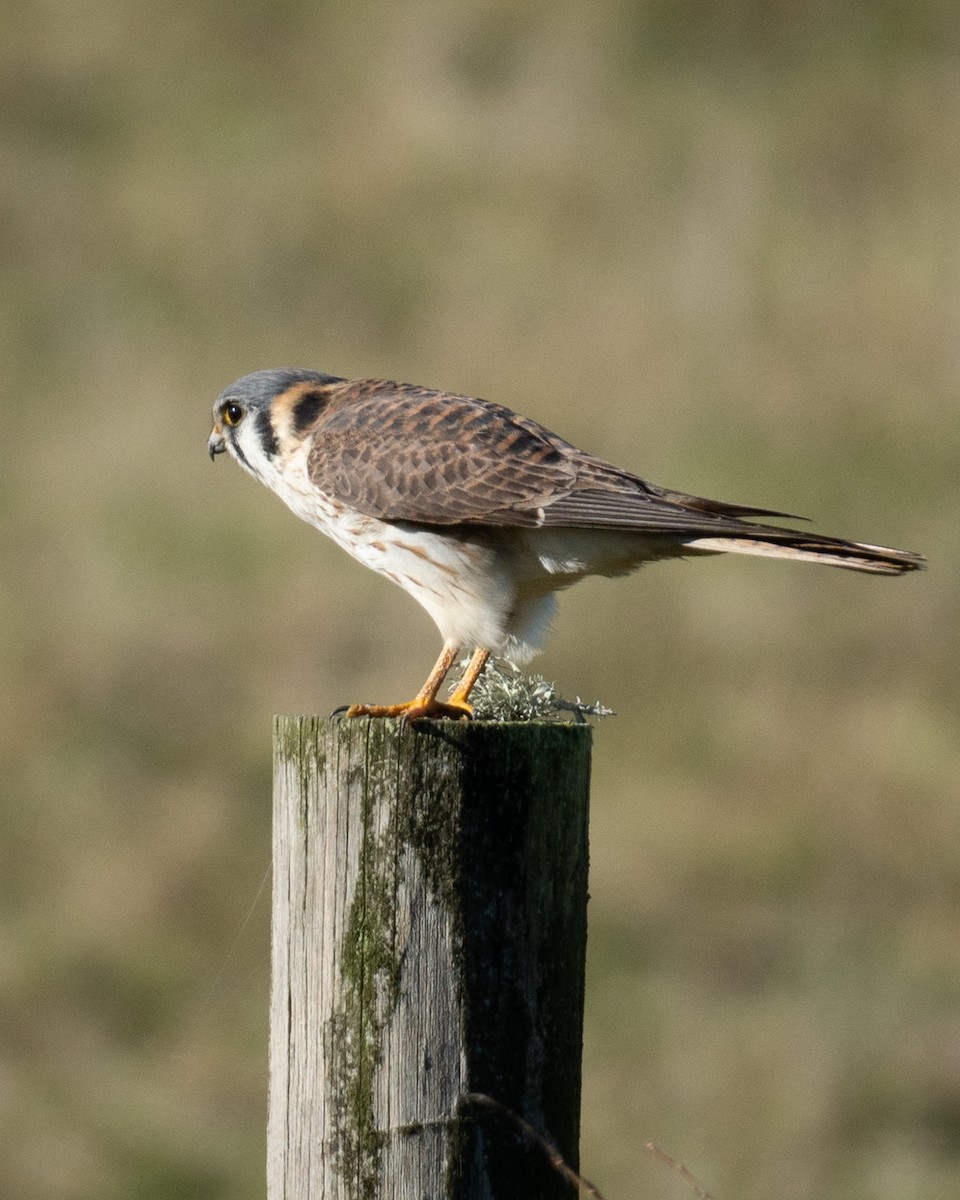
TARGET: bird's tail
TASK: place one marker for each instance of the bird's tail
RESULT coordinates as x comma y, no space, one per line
774,542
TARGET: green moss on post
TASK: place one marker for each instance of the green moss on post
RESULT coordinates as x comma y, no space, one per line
429,933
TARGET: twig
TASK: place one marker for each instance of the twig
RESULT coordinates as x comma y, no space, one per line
684,1172
554,1156
557,1160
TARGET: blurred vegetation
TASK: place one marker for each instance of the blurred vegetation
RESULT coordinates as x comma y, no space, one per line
719,243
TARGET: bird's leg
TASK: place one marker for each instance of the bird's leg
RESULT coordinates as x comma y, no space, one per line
458,698
425,702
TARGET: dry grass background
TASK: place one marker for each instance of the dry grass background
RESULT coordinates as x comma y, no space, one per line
718,243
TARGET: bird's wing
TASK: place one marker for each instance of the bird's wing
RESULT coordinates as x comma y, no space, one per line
403,453
622,501
713,527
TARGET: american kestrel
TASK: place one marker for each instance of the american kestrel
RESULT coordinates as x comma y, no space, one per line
480,514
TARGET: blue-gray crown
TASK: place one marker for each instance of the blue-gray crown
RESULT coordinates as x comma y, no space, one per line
259,388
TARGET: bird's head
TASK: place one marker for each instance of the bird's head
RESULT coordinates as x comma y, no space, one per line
262,418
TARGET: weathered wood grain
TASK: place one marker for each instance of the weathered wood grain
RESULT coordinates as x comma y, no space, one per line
429,932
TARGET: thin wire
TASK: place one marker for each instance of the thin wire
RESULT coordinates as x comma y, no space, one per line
205,1002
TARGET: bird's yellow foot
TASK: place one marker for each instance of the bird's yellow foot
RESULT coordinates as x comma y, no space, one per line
415,710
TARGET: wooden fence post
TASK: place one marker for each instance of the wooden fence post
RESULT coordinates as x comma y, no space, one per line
429,933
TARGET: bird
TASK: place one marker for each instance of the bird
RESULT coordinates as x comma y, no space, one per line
482,515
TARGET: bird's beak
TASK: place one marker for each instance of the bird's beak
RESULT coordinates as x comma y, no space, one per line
215,443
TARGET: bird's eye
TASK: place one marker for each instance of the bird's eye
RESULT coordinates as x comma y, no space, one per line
231,413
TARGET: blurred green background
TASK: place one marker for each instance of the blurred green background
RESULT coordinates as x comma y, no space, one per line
718,243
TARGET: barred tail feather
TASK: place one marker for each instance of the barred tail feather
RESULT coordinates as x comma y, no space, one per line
833,552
